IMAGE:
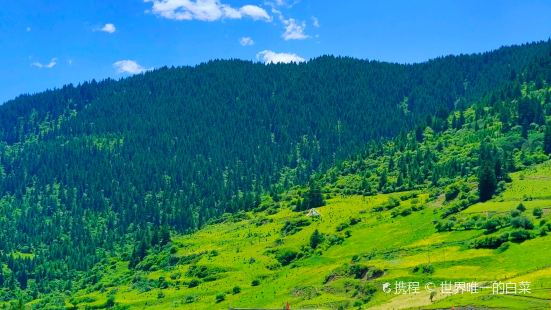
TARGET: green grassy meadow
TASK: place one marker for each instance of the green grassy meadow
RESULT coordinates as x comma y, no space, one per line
234,263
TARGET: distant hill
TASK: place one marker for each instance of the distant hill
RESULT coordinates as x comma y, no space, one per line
112,167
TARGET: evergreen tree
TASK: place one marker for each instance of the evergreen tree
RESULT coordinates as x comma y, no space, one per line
547,139
365,186
155,237
383,180
139,252
461,121
164,235
315,239
313,198
487,183
487,180
454,121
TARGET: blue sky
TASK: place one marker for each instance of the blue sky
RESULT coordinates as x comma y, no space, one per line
46,44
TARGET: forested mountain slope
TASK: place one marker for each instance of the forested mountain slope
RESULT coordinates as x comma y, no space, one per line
103,166
468,204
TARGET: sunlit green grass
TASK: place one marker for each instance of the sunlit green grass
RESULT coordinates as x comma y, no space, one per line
395,245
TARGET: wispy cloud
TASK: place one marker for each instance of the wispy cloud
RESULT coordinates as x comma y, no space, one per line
282,3
128,66
28,29
49,65
255,12
246,41
268,57
205,10
109,28
315,22
293,29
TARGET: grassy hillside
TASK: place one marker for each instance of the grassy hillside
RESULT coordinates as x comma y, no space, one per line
259,260
91,168
409,210
462,197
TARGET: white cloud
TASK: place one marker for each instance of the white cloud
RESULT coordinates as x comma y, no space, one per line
205,10
49,65
246,41
283,3
268,57
109,28
293,30
315,22
28,29
255,12
128,66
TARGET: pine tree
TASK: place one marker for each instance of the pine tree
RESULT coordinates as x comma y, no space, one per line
383,180
487,180
461,121
138,254
487,183
142,249
365,187
315,239
313,197
400,180
164,236
155,237
547,139
454,121
134,259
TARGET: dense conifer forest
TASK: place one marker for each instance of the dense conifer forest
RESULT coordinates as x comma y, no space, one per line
114,168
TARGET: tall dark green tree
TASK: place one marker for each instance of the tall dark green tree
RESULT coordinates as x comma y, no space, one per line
383,180
164,236
530,111
315,239
487,180
547,139
313,198
138,253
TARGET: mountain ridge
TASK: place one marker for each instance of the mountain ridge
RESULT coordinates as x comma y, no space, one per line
97,170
